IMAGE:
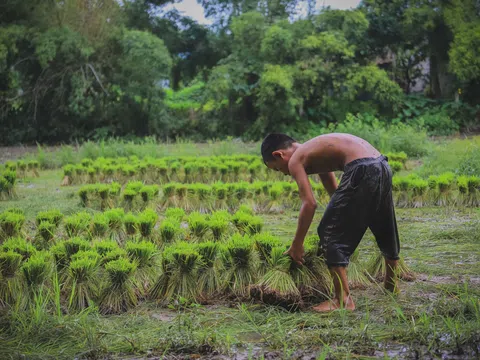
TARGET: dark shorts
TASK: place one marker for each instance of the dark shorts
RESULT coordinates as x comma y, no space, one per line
363,200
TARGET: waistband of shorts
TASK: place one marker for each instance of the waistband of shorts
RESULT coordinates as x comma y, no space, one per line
363,161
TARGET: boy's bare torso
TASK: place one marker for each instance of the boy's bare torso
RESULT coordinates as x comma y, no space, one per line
331,152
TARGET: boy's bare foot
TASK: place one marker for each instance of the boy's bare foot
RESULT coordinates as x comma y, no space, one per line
334,304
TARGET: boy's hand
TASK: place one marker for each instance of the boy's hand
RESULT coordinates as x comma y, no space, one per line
296,253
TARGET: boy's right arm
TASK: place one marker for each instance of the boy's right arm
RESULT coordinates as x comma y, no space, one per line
329,182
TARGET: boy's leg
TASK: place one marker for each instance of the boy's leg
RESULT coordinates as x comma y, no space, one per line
342,299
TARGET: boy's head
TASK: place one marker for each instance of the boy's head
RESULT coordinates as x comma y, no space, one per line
277,150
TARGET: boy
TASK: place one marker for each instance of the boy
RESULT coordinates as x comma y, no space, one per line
363,200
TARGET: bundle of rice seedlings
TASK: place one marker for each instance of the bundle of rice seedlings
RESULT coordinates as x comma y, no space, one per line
84,193
174,169
419,188
241,262
396,166
60,257
220,193
11,165
130,222
86,162
104,193
21,168
356,274
82,283
400,157
404,185
445,182
313,276
99,225
254,225
176,214
209,278
473,189
105,246
254,170
218,226
87,254
74,245
149,192
91,175
77,224
246,209
36,271
119,295
11,224
162,172
33,167
214,170
10,284
181,196
241,190
433,189
143,254
198,225
223,172
53,216
169,229
275,203
7,184
179,279
376,268
264,243
169,195
115,221
114,193
189,170
462,183
20,246
146,222
204,197
80,172
277,284
46,232
128,197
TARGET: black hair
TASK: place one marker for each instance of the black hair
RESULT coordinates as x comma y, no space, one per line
274,142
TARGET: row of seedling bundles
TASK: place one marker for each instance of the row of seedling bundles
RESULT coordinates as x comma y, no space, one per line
23,168
442,190
51,226
115,278
262,196
184,170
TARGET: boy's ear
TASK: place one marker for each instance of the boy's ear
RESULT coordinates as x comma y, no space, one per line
278,154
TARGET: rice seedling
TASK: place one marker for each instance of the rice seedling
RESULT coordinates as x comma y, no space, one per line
82,283
46,232
275,205
87,254
60,257
21,168
445,182
220,192
80,172
203,193
209,279
169,195
128,198
36,271
174,169
400,157
74,245
419,189
246,209
149,192
130,222
53,216
462,183
433,189
119,294
77,224
473,183
7,184
33,167
356,275
169,229
376,268
11,165
198,225
99,225
20,246
174,213
143,254
241,262
254,226
396,166
180,265
105,246
146,222
10,284
264,243
91,175
4,188
68,175
115,221
11,224
254,170
277,282
114,254
218,226
84,193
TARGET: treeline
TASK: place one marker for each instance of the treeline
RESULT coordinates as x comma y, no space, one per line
84,69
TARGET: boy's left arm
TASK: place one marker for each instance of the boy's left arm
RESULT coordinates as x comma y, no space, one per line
307,210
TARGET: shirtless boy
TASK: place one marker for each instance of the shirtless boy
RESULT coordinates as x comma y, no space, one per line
362,200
